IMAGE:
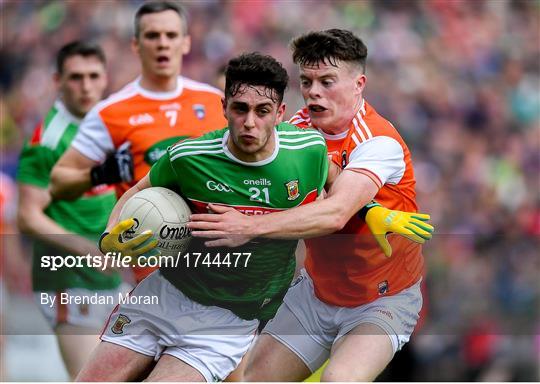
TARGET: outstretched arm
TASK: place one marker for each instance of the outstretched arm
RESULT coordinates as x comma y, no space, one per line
349,192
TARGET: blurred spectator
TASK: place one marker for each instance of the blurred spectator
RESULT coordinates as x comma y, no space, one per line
460,78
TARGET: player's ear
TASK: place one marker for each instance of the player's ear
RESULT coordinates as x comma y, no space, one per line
56,79
360,82
280,113
224,105
135,45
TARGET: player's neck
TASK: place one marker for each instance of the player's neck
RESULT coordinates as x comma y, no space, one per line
75,115
333,130
264,153
336,129
159,84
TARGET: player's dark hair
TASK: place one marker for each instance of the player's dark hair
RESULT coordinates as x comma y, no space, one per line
329,47
160,6
255,69
78,48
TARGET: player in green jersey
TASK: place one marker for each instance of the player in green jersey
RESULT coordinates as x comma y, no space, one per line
207,315
61,227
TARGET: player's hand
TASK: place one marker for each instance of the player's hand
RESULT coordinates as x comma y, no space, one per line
143,243
382,221
225,225
117,167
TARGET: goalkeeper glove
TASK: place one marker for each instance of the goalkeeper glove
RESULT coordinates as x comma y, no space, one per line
117,167
382,221
139,245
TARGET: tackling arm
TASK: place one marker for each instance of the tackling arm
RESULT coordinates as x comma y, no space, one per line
349,192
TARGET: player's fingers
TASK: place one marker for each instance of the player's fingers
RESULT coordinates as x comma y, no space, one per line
422,228
421,216
218,243
204,217
145,247
208,234
122,226
203,225
219,208
138,240
154,252
384,244
410,234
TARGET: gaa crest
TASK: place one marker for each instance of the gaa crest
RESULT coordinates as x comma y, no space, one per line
199,111
118,326
292,190
382,287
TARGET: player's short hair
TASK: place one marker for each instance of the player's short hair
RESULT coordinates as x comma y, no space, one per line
256,69
78,48
160,6
329,47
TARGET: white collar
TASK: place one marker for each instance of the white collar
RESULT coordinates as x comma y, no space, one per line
259,163
161,95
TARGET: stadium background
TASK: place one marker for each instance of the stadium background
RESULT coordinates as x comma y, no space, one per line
461,81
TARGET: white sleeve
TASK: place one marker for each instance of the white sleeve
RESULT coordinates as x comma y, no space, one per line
93,139
382,156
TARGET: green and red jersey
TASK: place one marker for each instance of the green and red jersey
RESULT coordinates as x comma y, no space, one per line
203,171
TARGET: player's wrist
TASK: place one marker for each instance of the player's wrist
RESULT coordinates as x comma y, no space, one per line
97,175
258,227
366,208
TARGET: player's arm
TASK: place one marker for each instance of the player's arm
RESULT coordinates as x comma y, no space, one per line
33,221
350,192
74,173
92,159
333,172
70,177
352,189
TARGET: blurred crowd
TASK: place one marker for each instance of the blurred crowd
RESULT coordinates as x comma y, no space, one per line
459,79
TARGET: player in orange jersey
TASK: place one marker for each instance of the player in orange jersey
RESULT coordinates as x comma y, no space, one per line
146,116
151,113
353,304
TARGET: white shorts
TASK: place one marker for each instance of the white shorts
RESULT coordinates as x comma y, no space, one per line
79,306
211,339
309,327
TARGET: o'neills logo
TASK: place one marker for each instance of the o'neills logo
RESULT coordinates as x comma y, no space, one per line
118,326
174,233
261,181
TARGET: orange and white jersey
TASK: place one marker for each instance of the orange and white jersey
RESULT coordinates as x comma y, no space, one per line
348,268
150,121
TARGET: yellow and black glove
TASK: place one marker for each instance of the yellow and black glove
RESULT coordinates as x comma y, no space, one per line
382,221
143,243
